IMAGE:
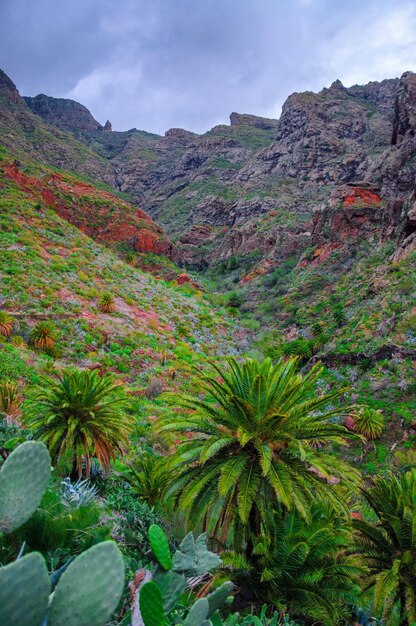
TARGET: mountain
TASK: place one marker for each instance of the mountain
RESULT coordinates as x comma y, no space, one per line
251,188
306,224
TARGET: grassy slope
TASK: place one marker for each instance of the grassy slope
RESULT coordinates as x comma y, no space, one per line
49,269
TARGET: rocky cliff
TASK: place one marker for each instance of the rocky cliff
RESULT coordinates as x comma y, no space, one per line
257,188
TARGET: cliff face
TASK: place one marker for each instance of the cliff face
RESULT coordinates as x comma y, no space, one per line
258,187
66,114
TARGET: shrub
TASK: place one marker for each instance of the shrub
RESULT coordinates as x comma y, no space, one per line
302,348
338,315
369,422
235,300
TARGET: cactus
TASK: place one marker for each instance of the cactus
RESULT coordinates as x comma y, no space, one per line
218,597
23,480
171,585
90,589
160,546
151,605
198,613
193,558
24,591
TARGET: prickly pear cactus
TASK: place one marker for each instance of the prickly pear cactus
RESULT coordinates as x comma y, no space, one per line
198,613
218,597
172,586
193,558
24,591
151,605
160,546
89,590
23,480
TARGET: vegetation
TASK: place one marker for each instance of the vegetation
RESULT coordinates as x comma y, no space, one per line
255,449
106,303
44,335
6,324
79,415
388,545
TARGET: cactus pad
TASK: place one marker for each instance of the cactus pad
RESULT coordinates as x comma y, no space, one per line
90,589
198,613
23,480
172,586
24,591
160,546
217,598
151,605
193,558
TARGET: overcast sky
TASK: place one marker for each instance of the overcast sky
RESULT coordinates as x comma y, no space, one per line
157,64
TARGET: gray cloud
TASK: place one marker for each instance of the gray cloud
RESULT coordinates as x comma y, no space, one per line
156,64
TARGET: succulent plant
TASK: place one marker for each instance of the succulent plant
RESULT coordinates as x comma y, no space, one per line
162,594
23,480
106,303
6,324
44,335
86,593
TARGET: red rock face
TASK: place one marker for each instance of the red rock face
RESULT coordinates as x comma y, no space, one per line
98,213
360,196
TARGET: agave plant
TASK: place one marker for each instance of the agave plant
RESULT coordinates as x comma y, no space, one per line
80,415
78,494
6,324
106,303
250,449
44,335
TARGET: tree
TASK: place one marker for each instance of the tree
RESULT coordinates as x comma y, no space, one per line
80,414
388,545
257,445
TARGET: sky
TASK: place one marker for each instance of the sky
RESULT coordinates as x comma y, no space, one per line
160,64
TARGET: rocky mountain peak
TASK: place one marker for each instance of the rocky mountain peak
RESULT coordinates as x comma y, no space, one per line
107,126
64,113
244,119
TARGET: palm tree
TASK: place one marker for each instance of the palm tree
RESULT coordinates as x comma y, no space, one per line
44,335
6,324
388,545
304,568
80,414
256,445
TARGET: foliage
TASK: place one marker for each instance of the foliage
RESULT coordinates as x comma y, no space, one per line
79,415
304,568
6,324
147,475
161,596
106,303
78,494
10,399
251,450
388,545
44,335
369,422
